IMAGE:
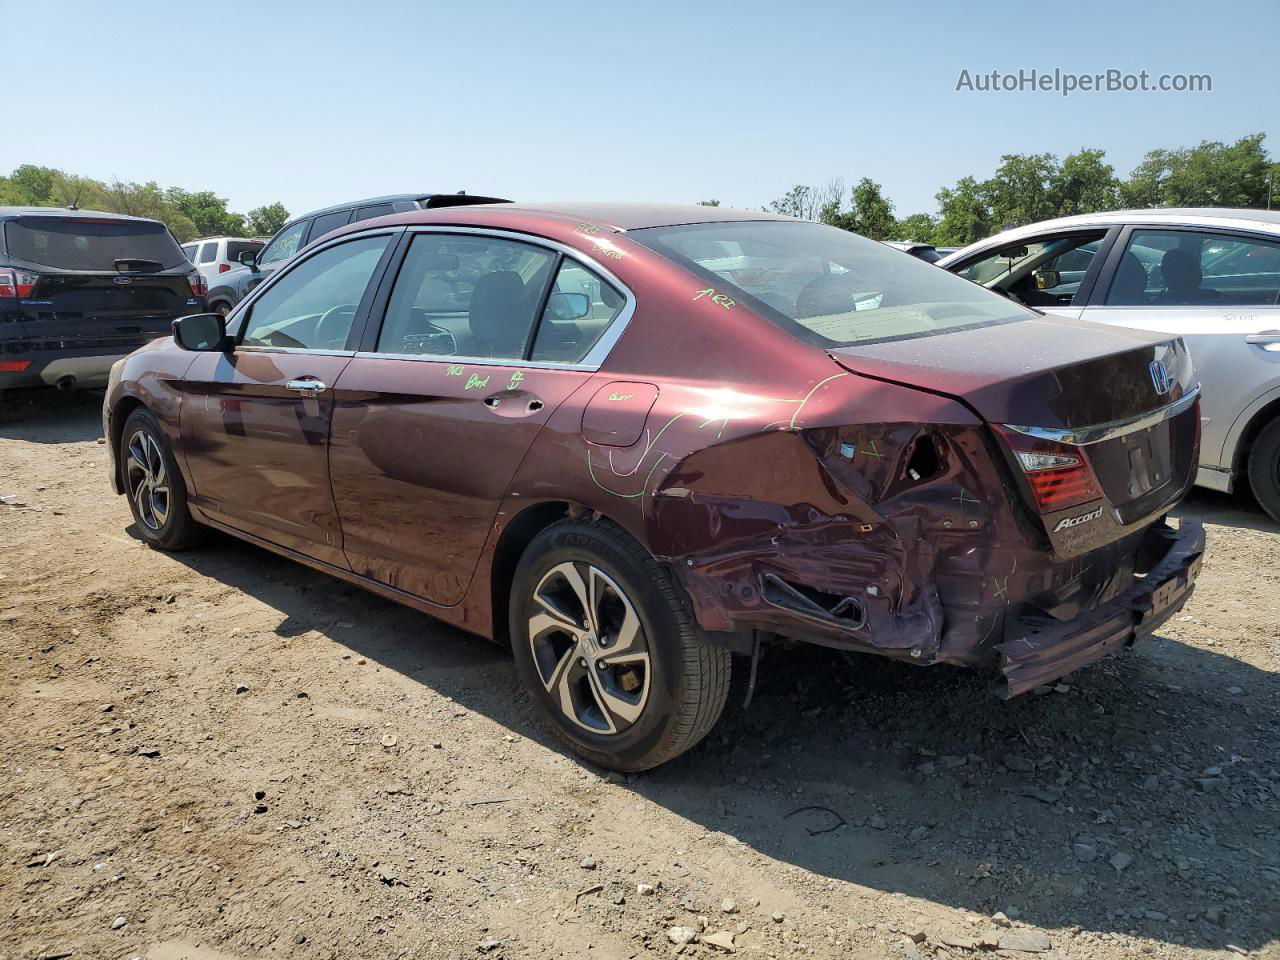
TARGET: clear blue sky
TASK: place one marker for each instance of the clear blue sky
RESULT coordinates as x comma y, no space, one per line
316,103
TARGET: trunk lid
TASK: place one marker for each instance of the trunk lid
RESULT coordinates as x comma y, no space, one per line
1043,371
1100,425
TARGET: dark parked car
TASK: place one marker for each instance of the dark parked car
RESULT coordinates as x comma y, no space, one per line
80,289
630,440
230,288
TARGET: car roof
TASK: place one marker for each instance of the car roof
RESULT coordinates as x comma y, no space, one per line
459,198
618,217
9,213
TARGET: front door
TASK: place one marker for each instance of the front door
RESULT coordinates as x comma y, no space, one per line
255,421
483,338
1218,291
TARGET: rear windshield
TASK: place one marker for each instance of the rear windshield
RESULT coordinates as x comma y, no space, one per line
86,243
827,286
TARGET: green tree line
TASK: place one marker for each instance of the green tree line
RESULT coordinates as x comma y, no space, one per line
1028,187
187,214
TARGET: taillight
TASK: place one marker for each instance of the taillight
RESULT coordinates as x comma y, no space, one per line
1058,473
17,283
199,285
14,366
224,267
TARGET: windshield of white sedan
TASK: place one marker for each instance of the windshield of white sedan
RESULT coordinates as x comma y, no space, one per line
826,285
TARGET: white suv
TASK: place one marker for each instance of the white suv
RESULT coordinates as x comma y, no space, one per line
215,255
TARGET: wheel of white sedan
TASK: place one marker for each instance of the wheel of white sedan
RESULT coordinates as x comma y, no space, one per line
606,646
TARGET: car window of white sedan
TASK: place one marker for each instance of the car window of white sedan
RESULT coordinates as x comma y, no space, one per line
1191,268
313,306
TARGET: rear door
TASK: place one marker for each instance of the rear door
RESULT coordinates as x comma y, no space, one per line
255,421
1216,289
97,284
484,336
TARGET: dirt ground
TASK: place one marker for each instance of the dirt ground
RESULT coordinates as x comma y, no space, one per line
221,754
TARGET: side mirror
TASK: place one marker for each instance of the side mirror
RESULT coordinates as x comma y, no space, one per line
201,332
249,259
569,306
1047,279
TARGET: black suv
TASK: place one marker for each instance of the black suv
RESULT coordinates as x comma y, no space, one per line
80,289
298,232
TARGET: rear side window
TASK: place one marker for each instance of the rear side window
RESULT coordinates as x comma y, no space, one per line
286,243
329,222
373,210
209,252
237,247
459,296
579,310
88,243
1183,268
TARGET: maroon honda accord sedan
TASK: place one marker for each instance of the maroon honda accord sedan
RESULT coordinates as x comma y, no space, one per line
633,440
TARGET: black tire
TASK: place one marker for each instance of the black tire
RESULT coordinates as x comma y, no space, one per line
1264,468
160,511
683,684
221,309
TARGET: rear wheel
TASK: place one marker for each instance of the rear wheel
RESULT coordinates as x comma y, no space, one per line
1264,468
157,495
608,650
222,309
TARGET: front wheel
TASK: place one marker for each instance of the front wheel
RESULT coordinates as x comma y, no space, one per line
157,495
608,650
1264,468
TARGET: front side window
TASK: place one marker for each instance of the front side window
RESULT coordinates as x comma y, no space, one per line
190,251
1046,271
1185,268
286,243
466,296
826,286
579,309
313,306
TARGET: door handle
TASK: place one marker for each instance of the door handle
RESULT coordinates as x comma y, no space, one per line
308,388
1268,340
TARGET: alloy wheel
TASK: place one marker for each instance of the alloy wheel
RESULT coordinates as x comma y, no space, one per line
589,648
148,481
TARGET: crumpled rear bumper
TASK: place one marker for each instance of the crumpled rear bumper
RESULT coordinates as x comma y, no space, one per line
1039,649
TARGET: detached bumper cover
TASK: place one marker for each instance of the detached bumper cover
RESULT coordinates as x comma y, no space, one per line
1040,649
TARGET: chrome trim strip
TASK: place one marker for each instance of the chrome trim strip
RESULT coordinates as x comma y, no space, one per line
256,348
591,363
477,361
1084,436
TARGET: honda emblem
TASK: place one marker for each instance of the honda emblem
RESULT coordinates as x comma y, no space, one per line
1160,378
